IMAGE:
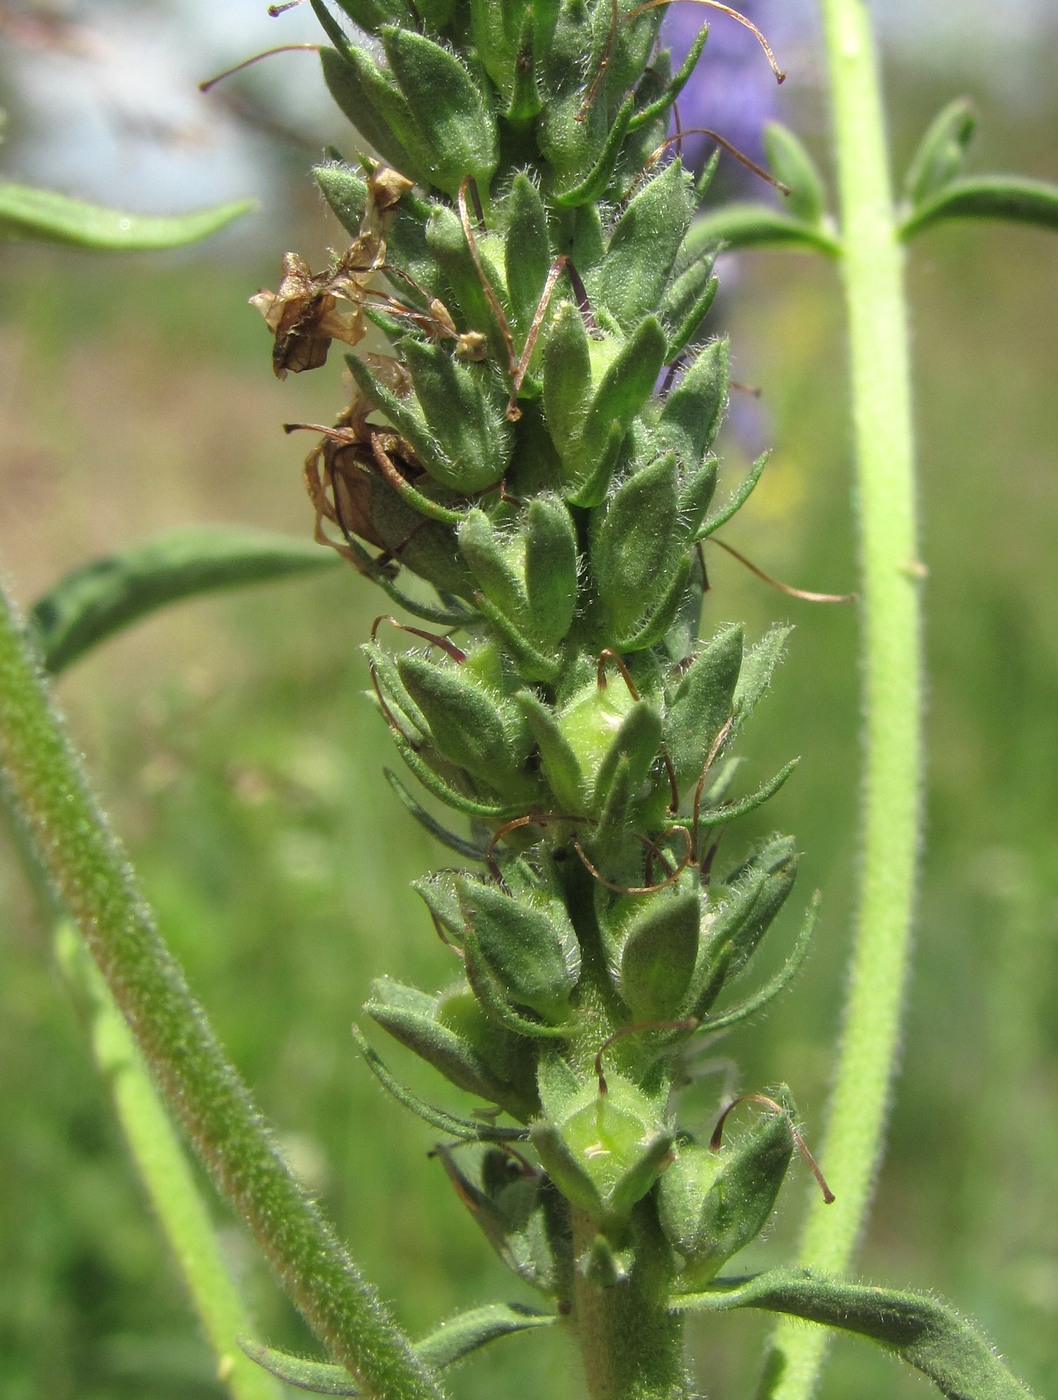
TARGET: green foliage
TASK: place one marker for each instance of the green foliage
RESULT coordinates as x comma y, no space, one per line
42,216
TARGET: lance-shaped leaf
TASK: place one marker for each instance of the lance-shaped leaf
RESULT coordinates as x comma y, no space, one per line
737,226
466,297
633,749
922,1331
100,598
530,949
550,569
450,1342
792,165
659,955
1009,197
758,666
941,152
713,1202
643,248
567,377
686,304
42,216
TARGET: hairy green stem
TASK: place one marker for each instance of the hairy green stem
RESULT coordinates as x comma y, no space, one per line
164,1169
92,880
872,268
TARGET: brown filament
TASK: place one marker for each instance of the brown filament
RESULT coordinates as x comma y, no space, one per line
780,76
799,1142
247,62
448,647
486,285
531,819
717,745
518,371
721,141
786,588
597,874
604,63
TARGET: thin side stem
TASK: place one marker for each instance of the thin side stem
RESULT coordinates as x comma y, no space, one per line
167,1177
872,268
92,880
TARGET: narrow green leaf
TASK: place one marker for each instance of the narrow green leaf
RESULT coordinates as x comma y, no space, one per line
736,226
791,164
42,216
98,599
923,1332
450,1342
941,152
1009,197
738,497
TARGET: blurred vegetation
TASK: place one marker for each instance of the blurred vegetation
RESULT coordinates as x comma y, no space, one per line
242,765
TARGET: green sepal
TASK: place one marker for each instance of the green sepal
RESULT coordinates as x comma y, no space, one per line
686,305
550,569
604,1151
694,410
560,765
736,500
345,191
98,599
567,378
712,1203
1008,197
724,812
922,1331
461,404
751,1005
737,226
466,723
662,105
940,154
732,933
624,388
592,185
367,95
455,126
643,247
659,955
447,244
447,792
758,667
602,1265
437,15
638,542
587,726
414,1018
450,1342
610,839
530,948
43,216
636,743
401,413
490,558
509,1215
370,15
793,167
527,252
463,1129
702,704
439,891
467,849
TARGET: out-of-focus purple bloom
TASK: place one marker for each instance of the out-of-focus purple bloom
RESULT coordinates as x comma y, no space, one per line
732,91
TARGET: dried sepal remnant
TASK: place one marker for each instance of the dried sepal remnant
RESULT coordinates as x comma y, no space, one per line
341,470
304,314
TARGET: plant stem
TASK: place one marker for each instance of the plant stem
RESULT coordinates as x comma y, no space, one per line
630,1339
167,1177
872,268
91,878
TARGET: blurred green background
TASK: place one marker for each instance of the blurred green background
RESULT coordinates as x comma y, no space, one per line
233,746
